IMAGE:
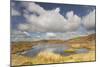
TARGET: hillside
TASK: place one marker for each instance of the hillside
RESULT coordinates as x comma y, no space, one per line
82,39
88,42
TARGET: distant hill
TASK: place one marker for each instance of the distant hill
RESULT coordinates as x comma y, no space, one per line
88,42
82,39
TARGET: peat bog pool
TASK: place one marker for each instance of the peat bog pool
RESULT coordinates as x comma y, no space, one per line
55,48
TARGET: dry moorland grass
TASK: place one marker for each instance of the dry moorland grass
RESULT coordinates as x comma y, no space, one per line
49,57
20,46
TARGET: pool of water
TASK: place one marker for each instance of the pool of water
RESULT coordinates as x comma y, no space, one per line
56,48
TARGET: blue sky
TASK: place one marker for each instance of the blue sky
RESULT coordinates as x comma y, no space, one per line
80,10
76,14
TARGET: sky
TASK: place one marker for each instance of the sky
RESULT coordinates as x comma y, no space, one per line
38,20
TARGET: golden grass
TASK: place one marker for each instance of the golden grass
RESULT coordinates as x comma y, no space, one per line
81,57
20,46
46,57
19,60
91,45
49,57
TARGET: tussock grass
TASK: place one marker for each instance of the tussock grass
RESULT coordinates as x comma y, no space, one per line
49,57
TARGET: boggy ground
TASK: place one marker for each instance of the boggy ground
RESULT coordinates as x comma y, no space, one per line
47,57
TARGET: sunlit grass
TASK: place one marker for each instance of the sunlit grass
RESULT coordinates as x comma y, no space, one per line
80,57
46,57
70,50
49,57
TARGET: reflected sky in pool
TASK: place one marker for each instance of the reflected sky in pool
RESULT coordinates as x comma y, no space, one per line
55,48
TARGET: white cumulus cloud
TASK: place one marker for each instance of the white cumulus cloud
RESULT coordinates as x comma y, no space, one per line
14,12
89,20
32,7
49,34
73,21
48,20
